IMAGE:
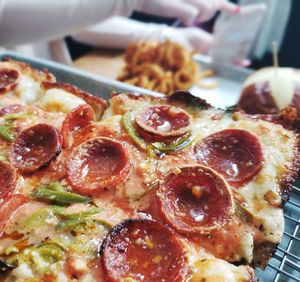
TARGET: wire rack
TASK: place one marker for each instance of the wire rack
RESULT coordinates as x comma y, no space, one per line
285,264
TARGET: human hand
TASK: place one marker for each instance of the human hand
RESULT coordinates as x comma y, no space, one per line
188,11
207,9
120,32
191,37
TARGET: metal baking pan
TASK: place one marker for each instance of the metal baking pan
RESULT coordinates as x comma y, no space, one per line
94,84
285,265
228,80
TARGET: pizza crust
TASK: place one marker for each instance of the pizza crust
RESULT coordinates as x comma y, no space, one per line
256,225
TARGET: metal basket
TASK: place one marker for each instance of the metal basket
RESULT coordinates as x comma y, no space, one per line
285,264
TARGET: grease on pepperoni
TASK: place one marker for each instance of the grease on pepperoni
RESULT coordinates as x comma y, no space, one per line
76,119
35,148
97,164
9,79
195,199
164,121
143,250
234,153
8,178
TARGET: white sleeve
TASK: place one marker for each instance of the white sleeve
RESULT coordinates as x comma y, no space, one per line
119,32
27,21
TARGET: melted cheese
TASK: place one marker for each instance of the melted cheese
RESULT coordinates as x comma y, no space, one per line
278,150
281,81
216,270
58,100
22,272
277,145
28,90
201,261
246,246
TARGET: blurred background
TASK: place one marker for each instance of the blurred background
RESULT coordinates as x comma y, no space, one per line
279,24
206,46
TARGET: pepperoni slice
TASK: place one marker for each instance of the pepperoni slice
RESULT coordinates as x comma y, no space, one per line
8,206
9,79
195,200
76,119
8,178
11,109
236,154
163,120
35,148
97,164
142,250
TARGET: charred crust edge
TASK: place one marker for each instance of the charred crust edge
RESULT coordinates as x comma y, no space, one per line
288,179
188,98
287,117
4,267
116,230
40,75
285,120
140,96
262,254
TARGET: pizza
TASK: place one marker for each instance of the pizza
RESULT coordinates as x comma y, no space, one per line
141,189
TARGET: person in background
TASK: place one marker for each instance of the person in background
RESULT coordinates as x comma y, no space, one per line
119,32
42,24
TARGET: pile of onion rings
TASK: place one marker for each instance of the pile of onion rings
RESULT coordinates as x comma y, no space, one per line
162,67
